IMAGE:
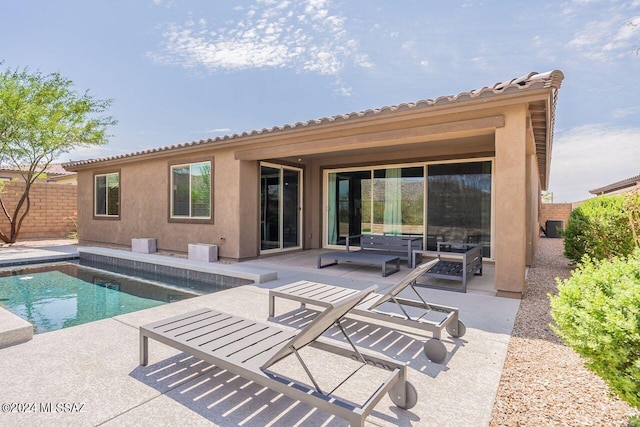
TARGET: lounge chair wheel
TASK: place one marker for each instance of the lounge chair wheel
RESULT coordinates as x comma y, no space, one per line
411,400
435,350
457,332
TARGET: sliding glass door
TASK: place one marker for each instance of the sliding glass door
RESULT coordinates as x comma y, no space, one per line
280,208
378,201
442,202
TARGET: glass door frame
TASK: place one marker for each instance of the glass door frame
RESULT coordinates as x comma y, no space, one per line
300,172
372,168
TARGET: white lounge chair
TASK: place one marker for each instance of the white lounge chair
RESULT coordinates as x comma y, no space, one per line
248,349
323,295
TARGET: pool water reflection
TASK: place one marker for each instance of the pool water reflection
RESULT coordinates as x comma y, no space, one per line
60,296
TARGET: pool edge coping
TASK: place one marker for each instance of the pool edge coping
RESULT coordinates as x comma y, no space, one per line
13,329
257,275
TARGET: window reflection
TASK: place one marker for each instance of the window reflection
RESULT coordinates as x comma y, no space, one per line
459,204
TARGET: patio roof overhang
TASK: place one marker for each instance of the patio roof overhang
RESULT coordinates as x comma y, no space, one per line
389,139
440,129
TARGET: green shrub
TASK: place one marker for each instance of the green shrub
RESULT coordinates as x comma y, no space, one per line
600,228
597,313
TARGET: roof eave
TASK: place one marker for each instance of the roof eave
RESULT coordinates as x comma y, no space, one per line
520,89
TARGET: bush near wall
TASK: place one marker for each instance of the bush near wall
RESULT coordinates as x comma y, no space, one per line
600,228
597,312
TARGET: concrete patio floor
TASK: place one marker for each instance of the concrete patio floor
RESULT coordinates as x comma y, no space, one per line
96,364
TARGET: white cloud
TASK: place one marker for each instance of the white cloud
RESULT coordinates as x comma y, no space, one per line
305,36
605,40
592,156
620,113
480,63
167,3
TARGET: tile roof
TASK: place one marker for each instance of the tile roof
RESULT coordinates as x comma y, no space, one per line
625,183
531,81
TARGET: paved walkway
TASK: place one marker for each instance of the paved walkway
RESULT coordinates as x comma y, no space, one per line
95,366
34,251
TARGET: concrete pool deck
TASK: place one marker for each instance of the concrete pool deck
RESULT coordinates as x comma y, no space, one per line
96,365
24,255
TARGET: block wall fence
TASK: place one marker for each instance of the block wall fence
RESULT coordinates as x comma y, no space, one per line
52,207
556,211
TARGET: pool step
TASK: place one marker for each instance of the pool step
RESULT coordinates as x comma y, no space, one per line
13,329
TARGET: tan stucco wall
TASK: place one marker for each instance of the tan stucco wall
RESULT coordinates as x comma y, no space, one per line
248,209
144,209
510,180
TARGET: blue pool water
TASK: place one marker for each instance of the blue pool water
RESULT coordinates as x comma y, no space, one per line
61,296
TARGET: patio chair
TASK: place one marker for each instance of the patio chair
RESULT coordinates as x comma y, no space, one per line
248,349
323,295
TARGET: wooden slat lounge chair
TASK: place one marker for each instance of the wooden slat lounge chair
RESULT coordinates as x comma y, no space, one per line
248,349
322,295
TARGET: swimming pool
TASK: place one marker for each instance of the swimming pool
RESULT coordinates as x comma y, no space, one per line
63,295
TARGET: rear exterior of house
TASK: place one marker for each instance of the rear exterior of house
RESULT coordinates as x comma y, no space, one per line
464,168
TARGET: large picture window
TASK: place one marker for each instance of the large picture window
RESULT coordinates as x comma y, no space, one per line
459,204
191,191
107,195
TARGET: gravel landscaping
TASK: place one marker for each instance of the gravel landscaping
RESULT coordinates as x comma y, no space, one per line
545,383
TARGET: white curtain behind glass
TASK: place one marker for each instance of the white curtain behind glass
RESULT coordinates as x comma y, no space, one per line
393,201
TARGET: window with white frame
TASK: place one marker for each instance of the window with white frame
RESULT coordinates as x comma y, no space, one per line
191,191
107,195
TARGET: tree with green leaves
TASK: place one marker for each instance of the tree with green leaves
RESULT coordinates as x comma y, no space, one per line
42,117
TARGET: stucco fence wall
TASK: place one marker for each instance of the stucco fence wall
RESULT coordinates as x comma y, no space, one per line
52,207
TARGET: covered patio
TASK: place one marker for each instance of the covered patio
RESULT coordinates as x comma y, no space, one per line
305,263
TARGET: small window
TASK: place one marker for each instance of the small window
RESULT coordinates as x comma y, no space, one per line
107,195
191,191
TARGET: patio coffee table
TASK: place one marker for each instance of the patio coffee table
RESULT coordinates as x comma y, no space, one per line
459,262
362,257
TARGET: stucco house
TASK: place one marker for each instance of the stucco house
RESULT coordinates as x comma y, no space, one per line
468,167
54,173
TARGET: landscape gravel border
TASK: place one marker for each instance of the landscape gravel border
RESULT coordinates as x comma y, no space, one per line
544,382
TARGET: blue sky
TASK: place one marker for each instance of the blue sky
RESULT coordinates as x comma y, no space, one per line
180,71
